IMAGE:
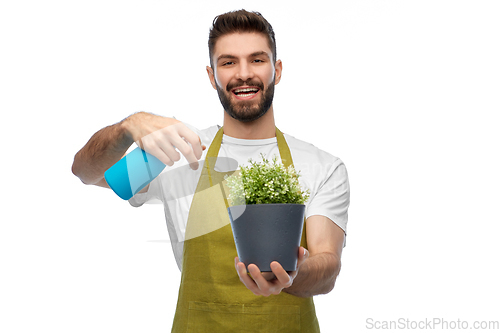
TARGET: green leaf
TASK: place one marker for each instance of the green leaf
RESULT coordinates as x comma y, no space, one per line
266,182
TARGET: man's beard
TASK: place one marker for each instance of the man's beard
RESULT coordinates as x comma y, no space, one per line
246,110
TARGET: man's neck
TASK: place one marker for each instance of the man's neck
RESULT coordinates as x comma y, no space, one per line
262,128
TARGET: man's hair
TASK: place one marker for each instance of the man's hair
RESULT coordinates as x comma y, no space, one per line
240,21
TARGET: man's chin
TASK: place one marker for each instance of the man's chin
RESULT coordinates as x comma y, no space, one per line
246,116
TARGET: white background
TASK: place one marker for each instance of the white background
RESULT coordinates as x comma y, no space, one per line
405,92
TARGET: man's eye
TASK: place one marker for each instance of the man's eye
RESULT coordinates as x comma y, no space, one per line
227,63
258,60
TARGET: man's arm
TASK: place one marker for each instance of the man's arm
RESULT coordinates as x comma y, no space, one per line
104,149
318,273
317,268
159,136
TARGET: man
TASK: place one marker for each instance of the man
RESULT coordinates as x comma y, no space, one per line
216,293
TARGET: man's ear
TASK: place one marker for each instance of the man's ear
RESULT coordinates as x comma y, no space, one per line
211,76
278,68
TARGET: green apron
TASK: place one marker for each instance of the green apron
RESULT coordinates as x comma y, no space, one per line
211,296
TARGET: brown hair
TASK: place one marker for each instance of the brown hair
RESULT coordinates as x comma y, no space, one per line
240,21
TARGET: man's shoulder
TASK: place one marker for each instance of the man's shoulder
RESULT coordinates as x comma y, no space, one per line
304,152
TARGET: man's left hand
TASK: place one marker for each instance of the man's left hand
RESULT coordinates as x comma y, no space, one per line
256,281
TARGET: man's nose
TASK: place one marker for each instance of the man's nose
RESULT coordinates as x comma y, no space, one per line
244,72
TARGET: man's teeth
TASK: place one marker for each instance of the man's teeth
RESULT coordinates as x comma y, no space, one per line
246,91
246,95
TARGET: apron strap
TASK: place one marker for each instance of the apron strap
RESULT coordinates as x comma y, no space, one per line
286,157
213,152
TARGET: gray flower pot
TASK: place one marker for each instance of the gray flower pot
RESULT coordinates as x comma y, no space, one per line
268,232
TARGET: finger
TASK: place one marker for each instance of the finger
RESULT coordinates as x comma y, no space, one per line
198,149
284,279
159,154
192,139
169,150
264,288
186,149
182,139
155,145
303,255
244,278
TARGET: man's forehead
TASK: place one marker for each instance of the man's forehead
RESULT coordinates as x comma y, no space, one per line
242,45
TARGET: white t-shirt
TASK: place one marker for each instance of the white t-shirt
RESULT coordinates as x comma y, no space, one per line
323,174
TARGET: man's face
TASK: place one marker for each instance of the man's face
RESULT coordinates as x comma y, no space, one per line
244,75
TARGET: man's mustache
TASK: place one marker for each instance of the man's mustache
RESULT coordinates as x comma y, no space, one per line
241,83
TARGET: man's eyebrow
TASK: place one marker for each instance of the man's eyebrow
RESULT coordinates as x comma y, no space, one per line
230,56
226,56
255,54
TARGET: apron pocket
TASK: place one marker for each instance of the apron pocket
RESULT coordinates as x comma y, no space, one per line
221,318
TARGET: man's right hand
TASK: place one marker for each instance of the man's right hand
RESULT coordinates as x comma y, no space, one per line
160,136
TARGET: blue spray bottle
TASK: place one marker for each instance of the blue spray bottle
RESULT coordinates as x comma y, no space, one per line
133,172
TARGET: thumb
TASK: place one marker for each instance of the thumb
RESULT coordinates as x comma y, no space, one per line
203,147
303,255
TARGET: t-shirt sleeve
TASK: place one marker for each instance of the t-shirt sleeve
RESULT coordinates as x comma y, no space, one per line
333,196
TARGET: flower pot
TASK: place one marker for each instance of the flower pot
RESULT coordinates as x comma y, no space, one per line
268,232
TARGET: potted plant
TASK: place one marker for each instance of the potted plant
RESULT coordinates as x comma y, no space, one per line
267,213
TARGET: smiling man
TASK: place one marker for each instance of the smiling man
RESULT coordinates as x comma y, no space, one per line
240,73
216,293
